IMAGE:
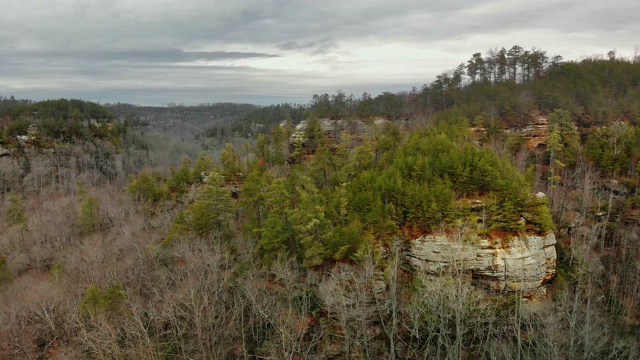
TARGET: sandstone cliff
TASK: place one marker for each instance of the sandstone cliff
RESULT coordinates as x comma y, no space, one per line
520,263
535,133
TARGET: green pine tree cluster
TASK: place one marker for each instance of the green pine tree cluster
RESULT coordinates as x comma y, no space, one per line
108,301
340,199
348,195
428,181
153,187
211,214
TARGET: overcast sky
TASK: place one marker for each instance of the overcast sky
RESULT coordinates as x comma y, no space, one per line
192,51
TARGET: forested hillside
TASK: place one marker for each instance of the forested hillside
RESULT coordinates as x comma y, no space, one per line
293,231
181,119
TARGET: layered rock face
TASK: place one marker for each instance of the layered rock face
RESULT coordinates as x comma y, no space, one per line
334,128
521,263
535,133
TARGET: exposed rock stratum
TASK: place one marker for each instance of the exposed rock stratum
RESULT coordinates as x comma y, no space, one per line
521,263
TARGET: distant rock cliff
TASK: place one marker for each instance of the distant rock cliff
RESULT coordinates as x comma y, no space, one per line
535,133
335,131
521,263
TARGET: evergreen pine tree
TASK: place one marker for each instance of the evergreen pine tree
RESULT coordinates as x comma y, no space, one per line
15,214
88,217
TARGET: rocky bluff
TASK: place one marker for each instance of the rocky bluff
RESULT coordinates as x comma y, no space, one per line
520,263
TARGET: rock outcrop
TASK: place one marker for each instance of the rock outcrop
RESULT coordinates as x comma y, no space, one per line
334,128
520,263
535,133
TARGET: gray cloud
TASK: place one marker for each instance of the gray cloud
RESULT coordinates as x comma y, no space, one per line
202,50
141,56
317,47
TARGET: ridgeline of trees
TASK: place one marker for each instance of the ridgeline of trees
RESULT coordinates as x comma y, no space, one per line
180,115
499,89
505,86
260,121
58,120
61,108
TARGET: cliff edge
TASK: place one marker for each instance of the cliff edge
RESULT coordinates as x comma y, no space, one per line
521,263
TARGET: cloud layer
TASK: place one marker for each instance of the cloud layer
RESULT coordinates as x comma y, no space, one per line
265,51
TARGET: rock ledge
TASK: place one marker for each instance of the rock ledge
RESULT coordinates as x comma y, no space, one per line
521,263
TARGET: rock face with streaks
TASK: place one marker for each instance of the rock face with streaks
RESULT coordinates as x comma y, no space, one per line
535,133
521,263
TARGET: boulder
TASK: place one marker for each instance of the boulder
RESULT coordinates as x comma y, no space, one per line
520,263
